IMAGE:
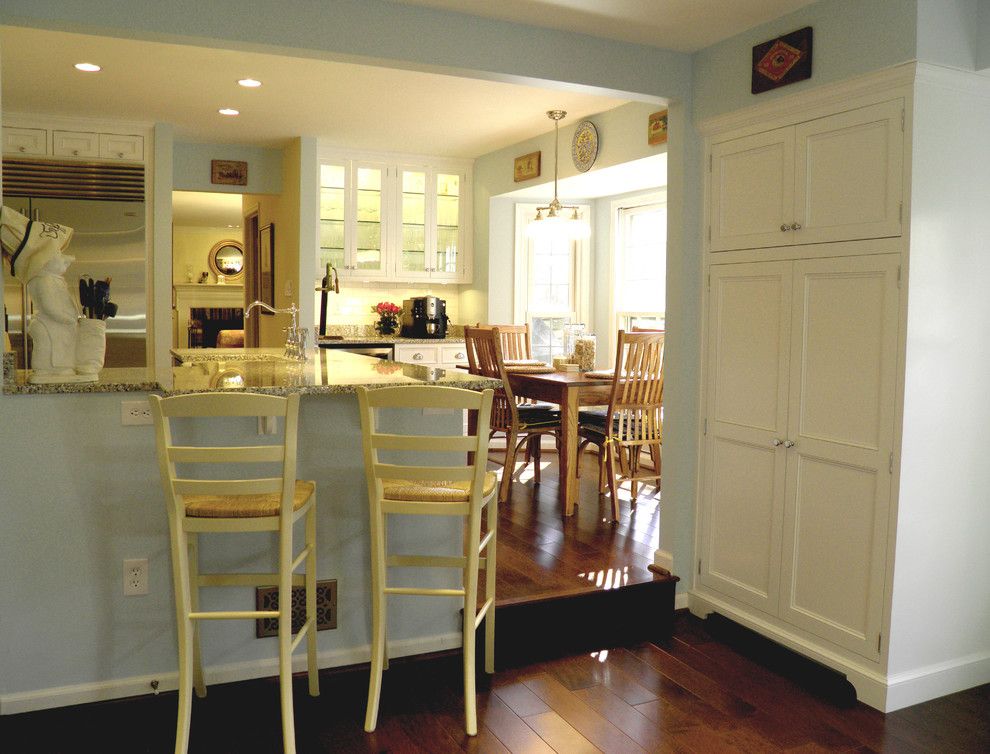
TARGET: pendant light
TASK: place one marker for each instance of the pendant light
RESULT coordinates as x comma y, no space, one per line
555,224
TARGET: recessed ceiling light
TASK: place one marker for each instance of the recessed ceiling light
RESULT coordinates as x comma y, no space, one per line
87,67
228,111
249,83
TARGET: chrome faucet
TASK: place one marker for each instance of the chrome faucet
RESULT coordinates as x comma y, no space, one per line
295,336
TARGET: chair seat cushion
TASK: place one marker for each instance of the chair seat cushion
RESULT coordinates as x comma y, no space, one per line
594,419
245,506
430,491
538,415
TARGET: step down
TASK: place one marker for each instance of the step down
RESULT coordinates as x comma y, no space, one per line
542,628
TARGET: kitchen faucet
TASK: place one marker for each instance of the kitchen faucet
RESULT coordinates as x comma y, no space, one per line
295,336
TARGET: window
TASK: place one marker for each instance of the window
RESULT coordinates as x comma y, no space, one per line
548,286
640,263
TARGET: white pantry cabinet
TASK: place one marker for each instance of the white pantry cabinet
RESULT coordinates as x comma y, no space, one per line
445,354
800,418
835,178
393,217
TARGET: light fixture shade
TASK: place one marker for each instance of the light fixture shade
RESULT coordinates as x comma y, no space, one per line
555,226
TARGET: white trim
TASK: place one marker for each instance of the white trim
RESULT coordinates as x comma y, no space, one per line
817,102
682,601
969,83
120,688
664,559
933,681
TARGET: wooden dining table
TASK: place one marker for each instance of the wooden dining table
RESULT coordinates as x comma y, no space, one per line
571,390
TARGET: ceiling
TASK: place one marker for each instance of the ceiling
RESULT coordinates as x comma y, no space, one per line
681,25
354,106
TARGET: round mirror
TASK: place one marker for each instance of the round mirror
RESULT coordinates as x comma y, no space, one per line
227,259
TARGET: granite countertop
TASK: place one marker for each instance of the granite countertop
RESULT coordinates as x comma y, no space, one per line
347,334
195,355
326,371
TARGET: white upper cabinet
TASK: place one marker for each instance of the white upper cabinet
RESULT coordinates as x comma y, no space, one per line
399,220
25,141
838,178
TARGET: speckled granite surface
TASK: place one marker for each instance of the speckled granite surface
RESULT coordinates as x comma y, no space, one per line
367,334
129,380
195,355
9,359
326,371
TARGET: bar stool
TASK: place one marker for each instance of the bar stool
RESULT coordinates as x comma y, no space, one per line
202,503
431,491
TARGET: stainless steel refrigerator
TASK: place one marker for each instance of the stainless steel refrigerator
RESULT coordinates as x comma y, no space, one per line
109,241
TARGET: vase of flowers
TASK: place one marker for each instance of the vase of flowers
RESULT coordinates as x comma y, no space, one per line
388,317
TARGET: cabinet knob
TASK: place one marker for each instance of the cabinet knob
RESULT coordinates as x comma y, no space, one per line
788,443
776,442
120,154
796,226
417,357
75,152
460,356
784,228
22,149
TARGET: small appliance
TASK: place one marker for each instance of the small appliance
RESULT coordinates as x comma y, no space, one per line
424,317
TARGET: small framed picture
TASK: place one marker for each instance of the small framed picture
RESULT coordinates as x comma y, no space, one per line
656,132
526,167
228,172
782,61
266,263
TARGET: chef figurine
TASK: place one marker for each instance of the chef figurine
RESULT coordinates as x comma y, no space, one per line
36,259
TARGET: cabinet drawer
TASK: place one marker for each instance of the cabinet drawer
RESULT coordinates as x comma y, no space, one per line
122,147
25,141
75,144
454,353
417,354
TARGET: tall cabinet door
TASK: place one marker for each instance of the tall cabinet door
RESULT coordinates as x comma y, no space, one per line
840,421
748,342
751,197
848,175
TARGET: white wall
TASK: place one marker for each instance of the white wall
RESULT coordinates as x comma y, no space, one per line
941,597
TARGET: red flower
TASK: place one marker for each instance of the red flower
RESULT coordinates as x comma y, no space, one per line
386,308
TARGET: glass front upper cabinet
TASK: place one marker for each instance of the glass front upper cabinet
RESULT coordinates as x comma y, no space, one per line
352,204
447,260
413,257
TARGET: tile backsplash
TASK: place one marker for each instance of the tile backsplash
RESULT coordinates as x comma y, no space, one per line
352,306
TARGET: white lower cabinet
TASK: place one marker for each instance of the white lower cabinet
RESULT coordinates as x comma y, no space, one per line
448,355
800,397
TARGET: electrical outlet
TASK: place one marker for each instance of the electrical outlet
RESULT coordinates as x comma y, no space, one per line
135,577
135,412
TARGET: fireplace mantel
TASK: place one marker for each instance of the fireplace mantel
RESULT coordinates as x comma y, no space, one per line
185,296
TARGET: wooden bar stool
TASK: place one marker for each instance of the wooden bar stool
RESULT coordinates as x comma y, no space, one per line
431,491
258,503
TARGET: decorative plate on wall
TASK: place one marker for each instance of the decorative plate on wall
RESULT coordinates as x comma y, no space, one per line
584,146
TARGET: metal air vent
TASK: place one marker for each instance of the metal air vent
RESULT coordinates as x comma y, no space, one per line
73,180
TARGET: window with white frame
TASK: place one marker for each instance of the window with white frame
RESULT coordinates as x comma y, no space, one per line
640,263
550,285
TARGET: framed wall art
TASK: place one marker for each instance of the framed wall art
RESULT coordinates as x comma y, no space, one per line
228,172
526,167
782,61
656,132
266,252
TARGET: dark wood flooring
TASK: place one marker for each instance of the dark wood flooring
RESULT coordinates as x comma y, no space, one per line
541,552
693,693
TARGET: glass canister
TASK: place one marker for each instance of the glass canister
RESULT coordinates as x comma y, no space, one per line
584,351
571,332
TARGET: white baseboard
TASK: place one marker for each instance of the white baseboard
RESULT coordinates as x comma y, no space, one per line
933,681
121,688
681,601
664,559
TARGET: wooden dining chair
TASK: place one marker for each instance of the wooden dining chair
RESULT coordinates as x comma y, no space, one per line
515,341
216,503
633,420
431,491
522,422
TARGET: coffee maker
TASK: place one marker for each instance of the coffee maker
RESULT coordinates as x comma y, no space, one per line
424,317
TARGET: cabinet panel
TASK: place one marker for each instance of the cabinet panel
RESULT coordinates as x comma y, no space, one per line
751,190
25,141
417,354
743,494
121,147
840,418
75,144
848,175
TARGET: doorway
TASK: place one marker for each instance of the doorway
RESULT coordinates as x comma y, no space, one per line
209,270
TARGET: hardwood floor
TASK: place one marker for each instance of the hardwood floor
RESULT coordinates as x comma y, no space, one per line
693,693
541,552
